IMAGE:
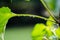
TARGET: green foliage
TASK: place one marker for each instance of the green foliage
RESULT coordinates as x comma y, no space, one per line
49,23
5,14
38,29
47,32
58,32
50,31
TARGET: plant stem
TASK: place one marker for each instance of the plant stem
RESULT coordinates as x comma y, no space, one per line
2,36
34,16
48,10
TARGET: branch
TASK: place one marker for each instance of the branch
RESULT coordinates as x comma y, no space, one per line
34,16
48,10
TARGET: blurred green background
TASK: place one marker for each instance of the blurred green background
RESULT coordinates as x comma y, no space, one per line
19,33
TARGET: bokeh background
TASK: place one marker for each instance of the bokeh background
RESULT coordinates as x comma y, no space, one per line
20,28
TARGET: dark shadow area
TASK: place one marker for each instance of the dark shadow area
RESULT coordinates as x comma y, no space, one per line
24,21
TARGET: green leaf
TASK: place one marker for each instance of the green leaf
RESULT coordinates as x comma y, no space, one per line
58,32
48,32
4,10
38,31
38,38
5,15
50,23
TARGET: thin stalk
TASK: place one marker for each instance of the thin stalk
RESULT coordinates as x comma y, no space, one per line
34,16
48,10
2,36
